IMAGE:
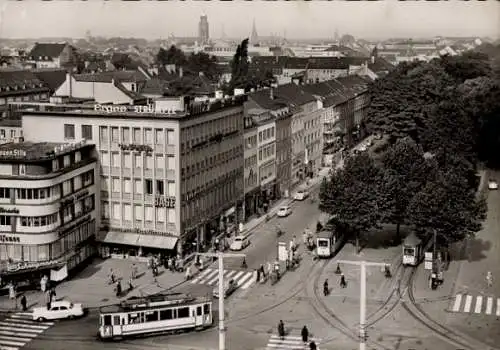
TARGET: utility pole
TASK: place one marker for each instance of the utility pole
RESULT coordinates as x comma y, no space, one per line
221,256
362,300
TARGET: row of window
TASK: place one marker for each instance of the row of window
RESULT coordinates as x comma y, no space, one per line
35,221
251,180
145,186
146,161
251,142
52,251
139,136
267,152
201,132
147,213
266,134
26,98
219,158
13,133
251,161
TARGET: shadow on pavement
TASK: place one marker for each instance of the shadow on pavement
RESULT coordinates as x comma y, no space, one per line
475,250
384,237
92,268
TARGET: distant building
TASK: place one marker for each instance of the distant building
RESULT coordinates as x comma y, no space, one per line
10,130
52,55
203,30
47,199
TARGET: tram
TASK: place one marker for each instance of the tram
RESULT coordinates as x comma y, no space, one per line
414,249
328,243
156,314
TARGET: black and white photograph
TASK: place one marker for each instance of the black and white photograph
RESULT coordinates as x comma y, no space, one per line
249,175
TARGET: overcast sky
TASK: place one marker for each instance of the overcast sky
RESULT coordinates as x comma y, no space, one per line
152,19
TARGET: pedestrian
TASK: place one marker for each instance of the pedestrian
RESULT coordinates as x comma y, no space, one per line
118,288
188,273
326,290
258,275
312,346
48,299
305,334
489,279
130,285
112,276
281,330
263,273
343,283
52,294
24,302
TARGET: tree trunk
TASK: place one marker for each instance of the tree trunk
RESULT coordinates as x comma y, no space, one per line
357,244
398,231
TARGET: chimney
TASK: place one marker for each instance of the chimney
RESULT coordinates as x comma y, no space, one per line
181,73
373,59
271,93
69,79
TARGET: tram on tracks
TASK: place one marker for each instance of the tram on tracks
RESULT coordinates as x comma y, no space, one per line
414,249
328,243
157,314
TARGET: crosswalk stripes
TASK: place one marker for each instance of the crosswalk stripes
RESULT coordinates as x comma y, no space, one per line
491,308
19,329
290,342
211,277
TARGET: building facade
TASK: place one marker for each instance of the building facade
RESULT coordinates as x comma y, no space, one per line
283,150
52,55
251,172
203,30
266,160
47,204
313,139
10,130
163,177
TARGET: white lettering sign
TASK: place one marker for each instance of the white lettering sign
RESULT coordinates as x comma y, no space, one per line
13,153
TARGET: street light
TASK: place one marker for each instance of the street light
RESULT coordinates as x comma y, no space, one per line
221,256
362,302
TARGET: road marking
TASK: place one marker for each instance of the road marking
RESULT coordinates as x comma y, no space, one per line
209,276
479,303
32,324
5,337
468,303
21,330
252,280
215,278
238,275
201,275
458,302
12,343
498,307
8,348
289,342
489,306
28,328
243,282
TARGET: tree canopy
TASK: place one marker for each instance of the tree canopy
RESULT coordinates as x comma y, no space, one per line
191,64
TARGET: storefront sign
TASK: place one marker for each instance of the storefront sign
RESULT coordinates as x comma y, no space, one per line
142,232
164,202
137,148
13,153
9,239
9,211
24,265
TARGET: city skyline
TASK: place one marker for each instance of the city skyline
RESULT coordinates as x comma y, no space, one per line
301,20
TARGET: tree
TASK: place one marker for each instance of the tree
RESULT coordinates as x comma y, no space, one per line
171,56
468,65
448,206
239,68
406,171
204,63
350,196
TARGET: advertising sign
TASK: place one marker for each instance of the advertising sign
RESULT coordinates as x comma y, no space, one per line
282,251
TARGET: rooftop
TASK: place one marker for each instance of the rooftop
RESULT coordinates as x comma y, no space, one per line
37,151
11,123
46,51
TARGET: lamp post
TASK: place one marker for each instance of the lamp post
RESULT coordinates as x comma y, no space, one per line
221,256
362,302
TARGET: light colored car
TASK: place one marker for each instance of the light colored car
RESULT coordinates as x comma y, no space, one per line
58,310
301,195
229,288
493,185
284,211
239,243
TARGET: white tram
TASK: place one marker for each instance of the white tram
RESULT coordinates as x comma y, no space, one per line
414,249
328,243
154,314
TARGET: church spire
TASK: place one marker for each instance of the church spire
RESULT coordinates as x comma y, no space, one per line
254,38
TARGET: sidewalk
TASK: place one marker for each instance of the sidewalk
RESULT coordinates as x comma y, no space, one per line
91,286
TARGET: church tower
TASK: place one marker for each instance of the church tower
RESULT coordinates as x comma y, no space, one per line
254,38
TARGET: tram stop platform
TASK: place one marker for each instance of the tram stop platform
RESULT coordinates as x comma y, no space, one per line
92,288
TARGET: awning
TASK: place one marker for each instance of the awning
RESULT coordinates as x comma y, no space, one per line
121,238
161,242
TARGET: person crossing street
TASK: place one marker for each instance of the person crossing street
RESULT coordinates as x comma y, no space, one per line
305,334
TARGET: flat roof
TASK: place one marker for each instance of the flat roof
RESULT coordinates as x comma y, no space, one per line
37,151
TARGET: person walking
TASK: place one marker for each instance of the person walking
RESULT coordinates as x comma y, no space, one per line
305,334
312,346
118,288
343,283
489,279
281,330
48,299
24,303
326,289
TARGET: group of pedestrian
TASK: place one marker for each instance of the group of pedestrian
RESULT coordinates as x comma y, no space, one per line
326,288
175,263
50,296
304,333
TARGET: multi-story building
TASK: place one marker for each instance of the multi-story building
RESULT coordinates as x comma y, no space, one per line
313,139
283,149
164,177
203,30
52,55
266,160
251,172
10,130
47,205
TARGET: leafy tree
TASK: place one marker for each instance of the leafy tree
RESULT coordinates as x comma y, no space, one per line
171,56
469,65
448,206
350,196
406,171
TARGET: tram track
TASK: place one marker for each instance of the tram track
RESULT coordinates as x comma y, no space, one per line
328,316
455,338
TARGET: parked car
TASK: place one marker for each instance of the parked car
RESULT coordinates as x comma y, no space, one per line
284,211
493,185
229,288
301,195
239,243
58,310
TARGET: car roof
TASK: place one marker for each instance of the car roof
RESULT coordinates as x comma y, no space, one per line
60,303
